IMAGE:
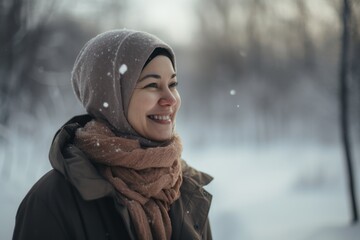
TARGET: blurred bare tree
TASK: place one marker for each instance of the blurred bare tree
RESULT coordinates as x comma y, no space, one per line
22,32
344,105
307,43
38,46
220,39
31,33
279,57
355,62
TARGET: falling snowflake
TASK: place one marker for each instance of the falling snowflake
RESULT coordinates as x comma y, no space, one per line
232,92
123,68
106,105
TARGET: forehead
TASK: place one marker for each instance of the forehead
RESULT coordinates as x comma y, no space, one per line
158,52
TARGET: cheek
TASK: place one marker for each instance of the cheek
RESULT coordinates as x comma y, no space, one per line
148,101
142,103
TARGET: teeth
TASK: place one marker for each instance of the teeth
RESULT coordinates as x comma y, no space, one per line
159,117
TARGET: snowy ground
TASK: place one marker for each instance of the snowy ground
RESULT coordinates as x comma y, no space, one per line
278,192
344,232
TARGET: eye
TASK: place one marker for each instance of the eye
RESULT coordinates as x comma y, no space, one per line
174,84
151,85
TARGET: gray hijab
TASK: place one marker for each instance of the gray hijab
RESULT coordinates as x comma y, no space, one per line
106,71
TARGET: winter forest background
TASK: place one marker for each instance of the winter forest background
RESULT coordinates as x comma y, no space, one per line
259,81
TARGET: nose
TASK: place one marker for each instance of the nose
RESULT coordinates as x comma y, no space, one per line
168,98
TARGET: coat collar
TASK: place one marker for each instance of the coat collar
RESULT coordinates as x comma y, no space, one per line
73,164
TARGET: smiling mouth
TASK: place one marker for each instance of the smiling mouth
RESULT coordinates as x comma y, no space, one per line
160,118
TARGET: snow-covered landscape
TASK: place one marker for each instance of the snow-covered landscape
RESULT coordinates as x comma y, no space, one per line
260,105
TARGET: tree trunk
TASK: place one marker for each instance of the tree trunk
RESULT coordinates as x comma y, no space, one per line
344,113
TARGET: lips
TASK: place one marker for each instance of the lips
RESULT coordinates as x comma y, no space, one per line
160,118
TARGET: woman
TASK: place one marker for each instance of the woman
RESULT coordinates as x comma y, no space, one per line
118,172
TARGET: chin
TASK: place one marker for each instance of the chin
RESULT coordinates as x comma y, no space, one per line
161,138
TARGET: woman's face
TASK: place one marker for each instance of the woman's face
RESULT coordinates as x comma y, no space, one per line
155,101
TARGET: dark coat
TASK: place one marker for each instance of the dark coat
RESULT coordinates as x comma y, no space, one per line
74,202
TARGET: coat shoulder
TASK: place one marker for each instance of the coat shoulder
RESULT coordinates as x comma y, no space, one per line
42,212
53,209
194,175
49,187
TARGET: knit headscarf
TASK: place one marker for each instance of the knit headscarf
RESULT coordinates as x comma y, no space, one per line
106,71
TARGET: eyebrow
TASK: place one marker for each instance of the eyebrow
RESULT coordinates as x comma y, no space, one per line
156,76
